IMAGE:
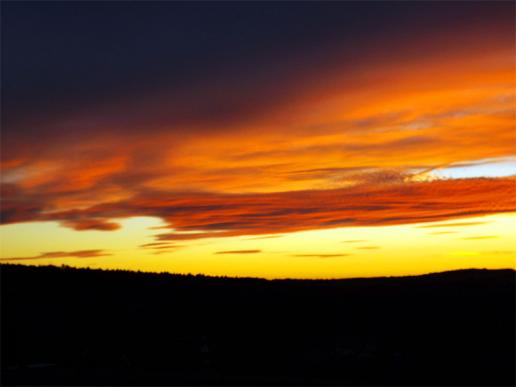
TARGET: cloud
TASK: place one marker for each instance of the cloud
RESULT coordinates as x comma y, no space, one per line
159,252
250,80
62,254
355,241
158,248
196,215
368,247
256,130
91,224
233,155
239,252
265,237
320,255
455,224
160,245
154,244
167,247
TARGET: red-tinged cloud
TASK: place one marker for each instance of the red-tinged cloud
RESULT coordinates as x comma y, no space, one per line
239,252
328,143
327,123
160,246
153,245
91,224
266,237
320,255
62,254
211,215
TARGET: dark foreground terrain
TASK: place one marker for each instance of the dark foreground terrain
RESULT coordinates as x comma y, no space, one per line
69,326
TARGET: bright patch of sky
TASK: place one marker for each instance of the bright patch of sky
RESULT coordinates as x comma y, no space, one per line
494,168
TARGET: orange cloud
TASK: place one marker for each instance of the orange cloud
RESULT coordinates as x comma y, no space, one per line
160,247
91,224
328,125
239,252
330,143
62,254
320,255
210,215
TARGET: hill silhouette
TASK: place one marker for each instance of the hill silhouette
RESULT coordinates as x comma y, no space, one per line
65,326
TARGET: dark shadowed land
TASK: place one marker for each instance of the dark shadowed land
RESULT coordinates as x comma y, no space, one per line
64,326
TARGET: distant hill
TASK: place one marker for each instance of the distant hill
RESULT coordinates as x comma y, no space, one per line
65,326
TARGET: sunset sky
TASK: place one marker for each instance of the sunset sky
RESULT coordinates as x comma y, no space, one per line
302,140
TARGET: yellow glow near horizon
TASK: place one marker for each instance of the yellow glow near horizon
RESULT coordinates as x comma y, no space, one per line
483,242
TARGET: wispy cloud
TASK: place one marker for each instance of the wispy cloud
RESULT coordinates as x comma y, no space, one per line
191,216
61,254
160,246
265,237
455,224
239,252
320,255
239,153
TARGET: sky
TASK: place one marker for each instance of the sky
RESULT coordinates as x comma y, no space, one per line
263,139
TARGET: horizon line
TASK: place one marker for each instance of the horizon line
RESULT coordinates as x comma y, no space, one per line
64,266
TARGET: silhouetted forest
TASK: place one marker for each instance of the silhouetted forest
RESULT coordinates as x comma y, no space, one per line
92,327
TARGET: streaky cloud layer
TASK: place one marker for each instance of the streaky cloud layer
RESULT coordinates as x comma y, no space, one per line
61,254
207,215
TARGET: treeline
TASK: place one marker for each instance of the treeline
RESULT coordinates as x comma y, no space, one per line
69,326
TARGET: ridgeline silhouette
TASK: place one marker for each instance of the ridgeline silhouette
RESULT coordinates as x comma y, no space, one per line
65,326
